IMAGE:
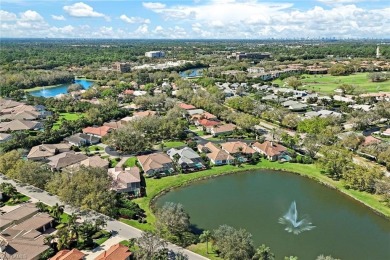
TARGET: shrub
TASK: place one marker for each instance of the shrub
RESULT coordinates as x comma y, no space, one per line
127,213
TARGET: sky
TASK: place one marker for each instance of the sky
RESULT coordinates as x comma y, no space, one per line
195,19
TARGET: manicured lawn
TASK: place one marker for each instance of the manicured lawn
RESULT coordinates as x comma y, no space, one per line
200,248
173,144
101,240
68,117
95,148
156,186
193,128
130,162
327,83
113,163
199,132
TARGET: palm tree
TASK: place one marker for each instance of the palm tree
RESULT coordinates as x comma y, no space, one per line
100,223
41,207
56,211
205,236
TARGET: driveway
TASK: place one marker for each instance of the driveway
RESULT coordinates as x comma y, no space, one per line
119,228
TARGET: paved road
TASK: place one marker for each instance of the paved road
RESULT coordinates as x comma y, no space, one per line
118,227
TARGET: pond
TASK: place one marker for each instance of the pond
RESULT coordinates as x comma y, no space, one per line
197,72
60,89
257,200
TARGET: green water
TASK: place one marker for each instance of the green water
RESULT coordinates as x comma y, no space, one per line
255,201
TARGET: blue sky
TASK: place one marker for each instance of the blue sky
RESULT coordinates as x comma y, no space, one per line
193,19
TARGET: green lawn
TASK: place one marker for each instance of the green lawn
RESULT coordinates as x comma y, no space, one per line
130,162
200,249
20,199
113,163
327,83
173,144
95,148
156,186
101,240
193,128
68,117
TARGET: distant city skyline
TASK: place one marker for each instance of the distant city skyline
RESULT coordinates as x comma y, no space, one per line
195,19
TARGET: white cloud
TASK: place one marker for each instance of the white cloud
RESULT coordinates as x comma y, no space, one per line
82,10
133,19
31,16
58,17
153,5
142,30
258,19
158,30
7,16
338,2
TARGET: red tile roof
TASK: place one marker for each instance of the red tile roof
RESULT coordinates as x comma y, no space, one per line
73,254
128,92
208,123
370,140
100,131
115,252
270,148
186,106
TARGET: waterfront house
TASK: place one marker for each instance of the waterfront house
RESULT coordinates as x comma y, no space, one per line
271,150
126,180
156,163
216,155
239,150
186,158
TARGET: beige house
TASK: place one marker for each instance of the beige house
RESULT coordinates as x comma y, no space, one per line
216,155
22,232
271,149
240,150
221,129
156,163
44,151
93,161
62,160
20,125
126,180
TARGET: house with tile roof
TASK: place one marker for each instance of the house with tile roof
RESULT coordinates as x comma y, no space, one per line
186,158
115,252
65,254
272,150
216,155
22,232
5,137
186,106
62,160
81,139
239,150
369,140
92,161
155,163
43,151
126,180
224,129
206,123
97,131
20,125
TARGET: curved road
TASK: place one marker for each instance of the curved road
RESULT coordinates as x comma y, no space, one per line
118,227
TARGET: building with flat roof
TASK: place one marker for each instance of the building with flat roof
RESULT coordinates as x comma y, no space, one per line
121,67
155,54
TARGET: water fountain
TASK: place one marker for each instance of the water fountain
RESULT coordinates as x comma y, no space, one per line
290,219
44,92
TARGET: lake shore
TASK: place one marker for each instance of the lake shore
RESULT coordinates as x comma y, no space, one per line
158,187
40,88
55,86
